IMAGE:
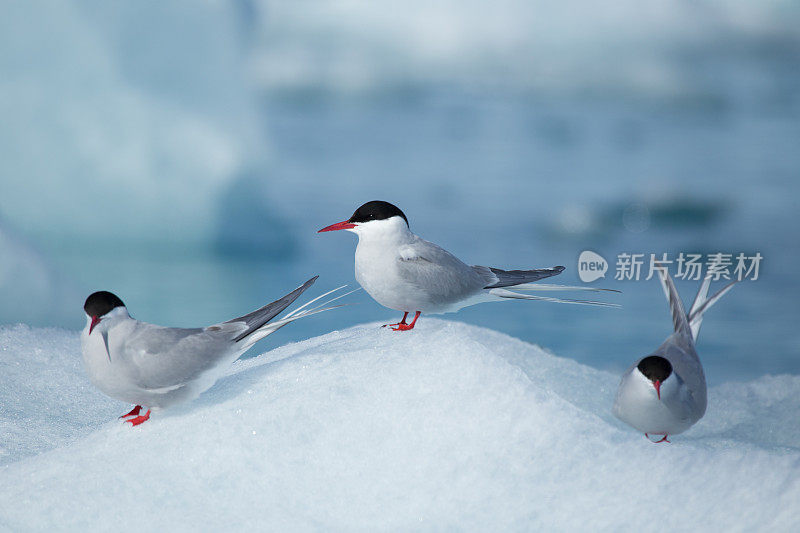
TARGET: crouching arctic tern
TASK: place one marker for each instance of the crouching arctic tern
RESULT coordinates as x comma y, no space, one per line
665,392
154,366
404,272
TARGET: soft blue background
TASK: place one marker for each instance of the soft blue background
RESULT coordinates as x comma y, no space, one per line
184,156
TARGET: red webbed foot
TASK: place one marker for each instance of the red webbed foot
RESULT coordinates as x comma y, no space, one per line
139,419
663,439
401,323
402,326
133,412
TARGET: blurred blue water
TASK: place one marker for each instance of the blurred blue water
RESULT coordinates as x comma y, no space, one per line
500,172
487,178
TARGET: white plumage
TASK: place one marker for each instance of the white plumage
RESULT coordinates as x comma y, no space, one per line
402,271
155,366
667,398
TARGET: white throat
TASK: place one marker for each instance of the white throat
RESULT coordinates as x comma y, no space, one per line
109,320
670,387
390,231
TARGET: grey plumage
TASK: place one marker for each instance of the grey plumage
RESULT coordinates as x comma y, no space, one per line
403,271
156,366
675,404
702,304
509,278
261,316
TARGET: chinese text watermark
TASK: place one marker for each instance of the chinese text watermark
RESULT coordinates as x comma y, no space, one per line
686,266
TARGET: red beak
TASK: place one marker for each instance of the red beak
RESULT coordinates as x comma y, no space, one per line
339,225
657,385
95,321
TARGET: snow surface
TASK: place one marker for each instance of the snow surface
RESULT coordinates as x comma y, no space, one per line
447,427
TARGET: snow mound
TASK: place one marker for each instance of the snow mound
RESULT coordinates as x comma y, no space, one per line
447,427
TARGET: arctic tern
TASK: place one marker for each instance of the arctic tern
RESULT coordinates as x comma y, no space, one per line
155,367
406,273
665,393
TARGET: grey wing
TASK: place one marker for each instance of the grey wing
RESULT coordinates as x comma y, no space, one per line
680,322
164,358
680,352
497,278
438,272
261,316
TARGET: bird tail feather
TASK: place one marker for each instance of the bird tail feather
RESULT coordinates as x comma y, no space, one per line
551,287
497,278
507,294
702,304
301,312
689,323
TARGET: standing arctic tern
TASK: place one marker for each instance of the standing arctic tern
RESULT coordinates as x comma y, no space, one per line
154,366
404,272
665,392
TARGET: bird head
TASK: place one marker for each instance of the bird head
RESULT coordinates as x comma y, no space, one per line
657,370
100,308
372,217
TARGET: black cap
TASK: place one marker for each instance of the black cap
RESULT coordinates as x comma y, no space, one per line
655,368
376,210
101,302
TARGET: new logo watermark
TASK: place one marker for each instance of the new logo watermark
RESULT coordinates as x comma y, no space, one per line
684,266
591,266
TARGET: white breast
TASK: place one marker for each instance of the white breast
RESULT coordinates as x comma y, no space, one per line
377,270
637,404
105,373
404,272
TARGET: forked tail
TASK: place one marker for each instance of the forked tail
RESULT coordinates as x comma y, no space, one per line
260,324
261,316
511,295
498,278
301,312
689,324
500,281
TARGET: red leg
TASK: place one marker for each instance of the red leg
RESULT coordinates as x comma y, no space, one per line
663,439
405,327
139,419
133,412
402,322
